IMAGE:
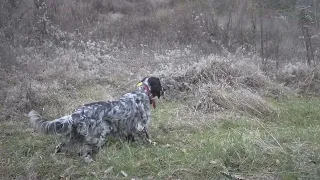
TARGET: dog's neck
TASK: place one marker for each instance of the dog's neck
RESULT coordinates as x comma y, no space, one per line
145,87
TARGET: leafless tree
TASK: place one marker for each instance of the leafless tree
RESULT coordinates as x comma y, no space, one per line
261,12
305,20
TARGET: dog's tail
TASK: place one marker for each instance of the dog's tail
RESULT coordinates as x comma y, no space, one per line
57,126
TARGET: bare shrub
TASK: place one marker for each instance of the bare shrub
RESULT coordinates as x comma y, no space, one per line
300,77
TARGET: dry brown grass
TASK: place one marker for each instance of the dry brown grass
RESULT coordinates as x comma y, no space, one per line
216,84
213,98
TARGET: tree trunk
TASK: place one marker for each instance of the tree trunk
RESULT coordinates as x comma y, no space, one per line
241,33
316,13
13,4
254,27
261,34
41,18
307,40
226,38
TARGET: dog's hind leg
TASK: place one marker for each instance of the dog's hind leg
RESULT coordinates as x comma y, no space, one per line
105,130
89,151
86,153
60,148
64,145
94,140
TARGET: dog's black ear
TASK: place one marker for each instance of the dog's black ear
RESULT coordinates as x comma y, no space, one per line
155,85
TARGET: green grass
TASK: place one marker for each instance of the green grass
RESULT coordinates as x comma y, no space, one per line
286,147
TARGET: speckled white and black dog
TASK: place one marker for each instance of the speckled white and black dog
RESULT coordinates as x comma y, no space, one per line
89,125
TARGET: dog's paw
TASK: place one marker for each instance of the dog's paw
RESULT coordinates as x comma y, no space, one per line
88,159
152,142
57,149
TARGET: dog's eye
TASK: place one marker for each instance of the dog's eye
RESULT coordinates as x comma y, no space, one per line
59,126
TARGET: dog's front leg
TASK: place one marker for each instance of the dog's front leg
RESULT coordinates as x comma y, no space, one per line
147,137
130,138
88,159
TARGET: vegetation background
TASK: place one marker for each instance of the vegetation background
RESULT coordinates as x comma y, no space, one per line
242,80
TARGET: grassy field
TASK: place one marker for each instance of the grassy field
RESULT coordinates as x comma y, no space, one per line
232,71
238,147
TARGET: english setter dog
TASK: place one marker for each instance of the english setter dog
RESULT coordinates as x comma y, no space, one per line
89,125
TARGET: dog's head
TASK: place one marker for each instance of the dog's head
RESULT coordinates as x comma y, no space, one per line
155,86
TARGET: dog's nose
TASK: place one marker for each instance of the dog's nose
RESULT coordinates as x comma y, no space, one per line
163,92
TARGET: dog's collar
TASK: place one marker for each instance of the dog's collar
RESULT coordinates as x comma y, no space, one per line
148,92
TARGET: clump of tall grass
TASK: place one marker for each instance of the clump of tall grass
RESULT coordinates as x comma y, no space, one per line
214,98
218,83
